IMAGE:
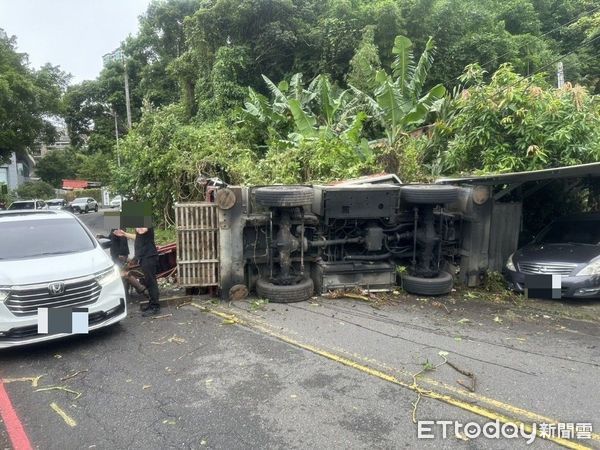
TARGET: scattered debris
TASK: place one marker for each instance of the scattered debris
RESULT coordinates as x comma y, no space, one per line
228,321
68,419
161,317
60,388
461,436
260,303
437,304
73,375
466,373
464,320
169,422
172,339
427,367
57,356
498,319
146,386
34,380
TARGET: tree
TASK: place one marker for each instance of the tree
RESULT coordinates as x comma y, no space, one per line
365,63
27,99
517,124
35,189
397,103
56,166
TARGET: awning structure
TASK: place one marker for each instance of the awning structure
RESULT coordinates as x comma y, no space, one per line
581,170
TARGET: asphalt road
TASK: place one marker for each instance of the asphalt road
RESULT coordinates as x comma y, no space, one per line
319,374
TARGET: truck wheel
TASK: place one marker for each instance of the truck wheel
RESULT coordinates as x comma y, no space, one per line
429,194
440,285
284,196
285,294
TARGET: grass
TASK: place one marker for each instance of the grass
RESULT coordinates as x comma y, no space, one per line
164,236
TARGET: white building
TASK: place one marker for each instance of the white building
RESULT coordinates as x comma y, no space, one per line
17,171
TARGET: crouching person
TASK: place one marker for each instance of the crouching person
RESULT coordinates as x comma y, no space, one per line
147,257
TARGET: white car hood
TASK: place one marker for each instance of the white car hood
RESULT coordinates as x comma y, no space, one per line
53,268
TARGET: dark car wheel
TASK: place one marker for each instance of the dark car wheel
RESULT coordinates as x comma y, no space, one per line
284,196
285,294
440,285
429,194
86,210
96,208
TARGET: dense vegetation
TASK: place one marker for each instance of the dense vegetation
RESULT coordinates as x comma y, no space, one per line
258,91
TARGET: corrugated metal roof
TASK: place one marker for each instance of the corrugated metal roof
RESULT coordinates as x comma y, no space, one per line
581,170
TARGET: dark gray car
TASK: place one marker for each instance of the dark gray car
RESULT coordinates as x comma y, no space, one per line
569,247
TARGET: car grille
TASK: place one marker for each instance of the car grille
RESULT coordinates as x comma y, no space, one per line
25,300
547,268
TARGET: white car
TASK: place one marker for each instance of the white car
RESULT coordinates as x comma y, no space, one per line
50,259
116,201
84,205
28,205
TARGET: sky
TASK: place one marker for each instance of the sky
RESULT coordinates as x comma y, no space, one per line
73,34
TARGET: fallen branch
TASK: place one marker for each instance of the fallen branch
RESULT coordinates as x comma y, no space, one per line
34,380
73,375
60,388
466,373
161,317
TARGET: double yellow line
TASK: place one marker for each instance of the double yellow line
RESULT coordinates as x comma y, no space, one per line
488,413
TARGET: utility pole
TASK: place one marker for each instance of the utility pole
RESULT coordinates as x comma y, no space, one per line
127,104
117,136
560,75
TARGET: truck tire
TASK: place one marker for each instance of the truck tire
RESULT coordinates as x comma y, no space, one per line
284,196
429,194
440,285
285,294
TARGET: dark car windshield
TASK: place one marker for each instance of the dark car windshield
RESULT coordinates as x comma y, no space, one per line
55,203
22,205
575,231
34,238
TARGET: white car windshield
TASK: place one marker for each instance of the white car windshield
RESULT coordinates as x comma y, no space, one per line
80,200
22,205
38,238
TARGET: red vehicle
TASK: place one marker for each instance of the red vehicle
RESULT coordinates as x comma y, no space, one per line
167,266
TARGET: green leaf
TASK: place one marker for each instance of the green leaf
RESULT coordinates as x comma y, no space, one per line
422,70
402,65
304,123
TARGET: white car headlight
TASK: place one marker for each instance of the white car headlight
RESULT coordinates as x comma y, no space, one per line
509,263
3,295
108,276
592,268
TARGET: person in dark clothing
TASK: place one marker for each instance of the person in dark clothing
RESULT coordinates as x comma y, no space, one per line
147,257
119,249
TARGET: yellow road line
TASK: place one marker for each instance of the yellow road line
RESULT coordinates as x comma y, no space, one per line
448,399
68,419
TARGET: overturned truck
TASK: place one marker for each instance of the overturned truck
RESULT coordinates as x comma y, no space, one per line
288,243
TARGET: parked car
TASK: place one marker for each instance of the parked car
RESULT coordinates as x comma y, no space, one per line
54,262
58,204
28,204
116,201
569,247
84,205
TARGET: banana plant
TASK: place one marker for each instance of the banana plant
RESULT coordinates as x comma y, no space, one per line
398,103
319,110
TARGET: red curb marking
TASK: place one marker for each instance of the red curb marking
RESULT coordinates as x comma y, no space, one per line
13,424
